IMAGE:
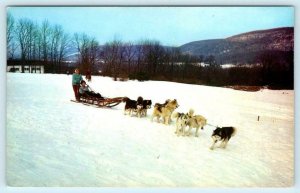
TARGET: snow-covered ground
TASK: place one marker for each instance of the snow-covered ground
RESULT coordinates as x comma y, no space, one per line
54,142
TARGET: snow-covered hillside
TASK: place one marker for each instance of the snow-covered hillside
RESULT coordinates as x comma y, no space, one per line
54,142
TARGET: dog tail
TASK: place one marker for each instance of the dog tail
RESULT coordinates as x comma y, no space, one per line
234,131
205,121
191,112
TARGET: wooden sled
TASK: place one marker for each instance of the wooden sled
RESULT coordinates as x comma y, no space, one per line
101,102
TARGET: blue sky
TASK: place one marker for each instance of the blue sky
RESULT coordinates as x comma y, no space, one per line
171,26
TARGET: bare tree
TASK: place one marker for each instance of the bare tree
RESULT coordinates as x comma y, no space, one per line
36,42
129,54
24,35
81,41
64,44
93,53
45,35
174,57
140,56
39,43
88,50
33,39
113,54
55,54
10,35
154,53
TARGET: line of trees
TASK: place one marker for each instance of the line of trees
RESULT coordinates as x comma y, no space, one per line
46,43
143,60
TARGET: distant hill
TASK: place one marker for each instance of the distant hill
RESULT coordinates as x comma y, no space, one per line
244,48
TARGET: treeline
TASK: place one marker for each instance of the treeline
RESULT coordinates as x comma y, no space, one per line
143,60
149,60
273,69
47,43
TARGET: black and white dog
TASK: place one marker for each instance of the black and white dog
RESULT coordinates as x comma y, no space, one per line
146,105
222,134
134,106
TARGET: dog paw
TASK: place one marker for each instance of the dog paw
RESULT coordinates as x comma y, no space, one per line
211,148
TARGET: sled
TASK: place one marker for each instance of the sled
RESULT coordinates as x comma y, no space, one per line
100,102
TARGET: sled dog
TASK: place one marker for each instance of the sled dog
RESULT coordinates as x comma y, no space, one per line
146,105
195,121
134,106
139,106
164,111
162,105
222,134
129,105
181,122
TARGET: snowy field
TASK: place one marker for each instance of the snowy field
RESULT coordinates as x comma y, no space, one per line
54,142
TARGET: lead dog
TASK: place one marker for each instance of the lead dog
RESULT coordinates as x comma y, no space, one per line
195,121
181,122
222,134
164,111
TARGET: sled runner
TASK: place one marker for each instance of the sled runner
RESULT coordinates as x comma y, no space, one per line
100,102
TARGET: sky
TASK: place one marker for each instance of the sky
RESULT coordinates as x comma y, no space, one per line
172,26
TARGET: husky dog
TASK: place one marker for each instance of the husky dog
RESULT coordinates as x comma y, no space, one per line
162,105
129,104
146,105
222,134
139,106
164,110
133,106
195,121
181,122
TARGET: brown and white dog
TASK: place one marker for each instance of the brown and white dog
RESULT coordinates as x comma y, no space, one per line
164,111
181,122
195,121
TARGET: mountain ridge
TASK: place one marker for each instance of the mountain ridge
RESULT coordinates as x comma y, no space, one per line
249,44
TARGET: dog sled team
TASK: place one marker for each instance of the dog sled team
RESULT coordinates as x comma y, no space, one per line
162,111
183,120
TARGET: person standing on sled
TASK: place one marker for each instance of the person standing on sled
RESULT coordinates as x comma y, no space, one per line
76,79
85,90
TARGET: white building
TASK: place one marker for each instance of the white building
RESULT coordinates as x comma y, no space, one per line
27,68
